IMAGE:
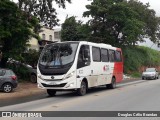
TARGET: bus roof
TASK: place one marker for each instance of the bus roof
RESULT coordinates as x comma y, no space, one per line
91,43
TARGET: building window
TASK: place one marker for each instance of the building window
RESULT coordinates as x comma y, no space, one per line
50,37
43,37
57,35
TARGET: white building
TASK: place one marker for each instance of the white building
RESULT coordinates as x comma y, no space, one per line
57,34
47,36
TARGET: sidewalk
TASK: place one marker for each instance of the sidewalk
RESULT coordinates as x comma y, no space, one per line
23,90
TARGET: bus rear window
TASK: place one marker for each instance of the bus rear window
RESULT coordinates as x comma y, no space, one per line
118,56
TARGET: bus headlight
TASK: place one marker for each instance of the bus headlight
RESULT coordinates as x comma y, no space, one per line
70,85
40,77
69,75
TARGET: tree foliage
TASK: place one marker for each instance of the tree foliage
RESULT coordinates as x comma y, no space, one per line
151,22
137,57
121,22
73,30
15,30
31,57
43,10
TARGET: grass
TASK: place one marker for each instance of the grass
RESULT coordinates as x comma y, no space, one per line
136,75
138,56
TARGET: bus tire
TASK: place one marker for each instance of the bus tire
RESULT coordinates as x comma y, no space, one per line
113,84
83,89
51,92
33,78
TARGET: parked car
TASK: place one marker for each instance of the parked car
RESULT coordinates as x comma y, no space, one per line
8,80
33,74
31,71
150,73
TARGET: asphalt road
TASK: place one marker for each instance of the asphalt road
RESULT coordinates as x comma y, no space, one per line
44,95
142,95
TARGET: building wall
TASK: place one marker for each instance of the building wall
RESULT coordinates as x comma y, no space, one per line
46,35
34,44
57,34
47,32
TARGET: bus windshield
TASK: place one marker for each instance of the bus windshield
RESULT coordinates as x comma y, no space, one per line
58,54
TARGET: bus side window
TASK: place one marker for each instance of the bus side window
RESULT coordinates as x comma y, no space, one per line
83,56
118,56
111,55
96,54
104,55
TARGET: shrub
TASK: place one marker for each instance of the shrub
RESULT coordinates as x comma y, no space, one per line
138,56
20,70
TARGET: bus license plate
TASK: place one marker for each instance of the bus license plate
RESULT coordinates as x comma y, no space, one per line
52,83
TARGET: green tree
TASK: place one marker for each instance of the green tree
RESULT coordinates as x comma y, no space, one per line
31,57
151,22
73,30
43,10
15,31
121,22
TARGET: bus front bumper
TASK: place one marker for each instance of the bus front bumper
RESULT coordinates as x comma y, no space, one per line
57,85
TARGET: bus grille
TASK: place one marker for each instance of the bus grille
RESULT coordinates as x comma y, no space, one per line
60,85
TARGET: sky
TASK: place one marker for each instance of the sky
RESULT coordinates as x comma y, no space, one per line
78,7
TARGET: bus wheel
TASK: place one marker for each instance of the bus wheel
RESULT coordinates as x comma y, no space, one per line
33,78
51,92
83,89
113,84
